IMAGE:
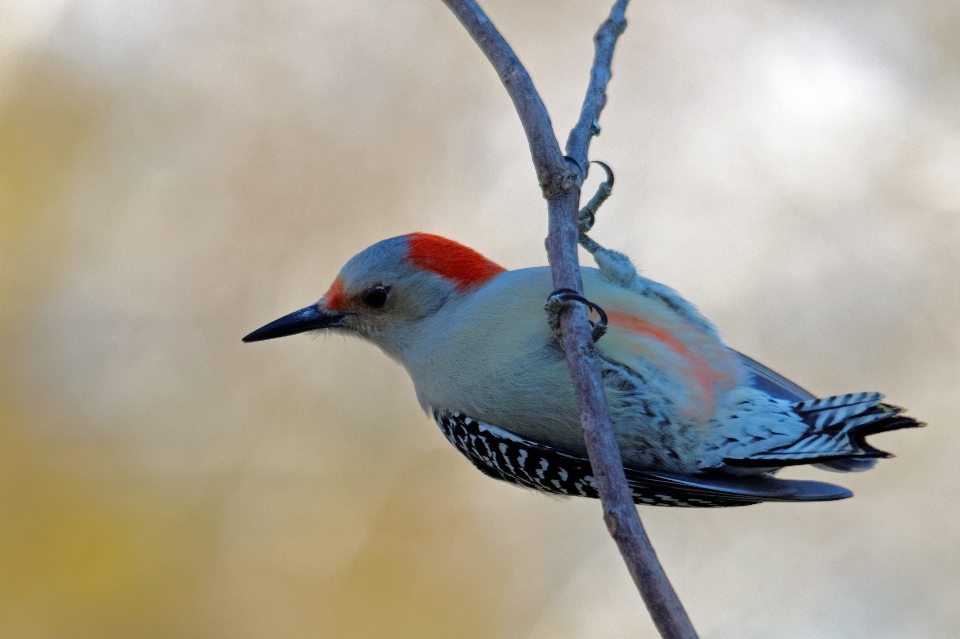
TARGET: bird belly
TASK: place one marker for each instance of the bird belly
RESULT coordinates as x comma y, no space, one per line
494,359
650,431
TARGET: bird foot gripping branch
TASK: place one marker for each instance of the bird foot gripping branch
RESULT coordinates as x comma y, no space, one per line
615,266
557,301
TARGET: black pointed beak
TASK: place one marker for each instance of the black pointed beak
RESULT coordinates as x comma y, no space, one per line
306,319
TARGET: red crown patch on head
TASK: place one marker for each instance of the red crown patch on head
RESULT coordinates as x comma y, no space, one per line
463,266
336,298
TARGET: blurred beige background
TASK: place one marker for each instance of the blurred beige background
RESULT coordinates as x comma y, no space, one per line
175,174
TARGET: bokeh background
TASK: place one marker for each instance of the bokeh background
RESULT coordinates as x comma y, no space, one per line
174,174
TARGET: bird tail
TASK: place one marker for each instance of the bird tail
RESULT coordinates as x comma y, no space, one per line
837,428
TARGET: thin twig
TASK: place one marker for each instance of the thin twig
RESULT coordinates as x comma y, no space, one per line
578,143
561,188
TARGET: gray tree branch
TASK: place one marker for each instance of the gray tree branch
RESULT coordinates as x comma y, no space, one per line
560,179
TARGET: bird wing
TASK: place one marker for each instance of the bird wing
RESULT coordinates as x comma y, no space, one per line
748,489
682,360
650,327
773,383
507,457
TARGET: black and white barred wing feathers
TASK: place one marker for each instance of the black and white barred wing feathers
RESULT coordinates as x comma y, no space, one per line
504,456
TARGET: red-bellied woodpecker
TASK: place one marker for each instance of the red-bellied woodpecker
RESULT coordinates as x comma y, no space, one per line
698,424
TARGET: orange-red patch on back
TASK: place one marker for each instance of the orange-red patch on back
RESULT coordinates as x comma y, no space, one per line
463,266
335,299
706,377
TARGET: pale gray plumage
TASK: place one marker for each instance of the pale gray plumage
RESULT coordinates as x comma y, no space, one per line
477,345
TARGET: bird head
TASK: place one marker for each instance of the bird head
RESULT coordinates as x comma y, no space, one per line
390,285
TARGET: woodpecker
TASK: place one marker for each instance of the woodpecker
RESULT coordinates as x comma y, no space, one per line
697,423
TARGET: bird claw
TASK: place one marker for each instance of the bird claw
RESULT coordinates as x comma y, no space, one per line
588,214
615,266
555,304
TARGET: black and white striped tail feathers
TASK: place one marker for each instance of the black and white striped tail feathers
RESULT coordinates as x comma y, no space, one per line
836,436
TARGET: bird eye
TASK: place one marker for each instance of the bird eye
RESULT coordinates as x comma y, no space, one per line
376,296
